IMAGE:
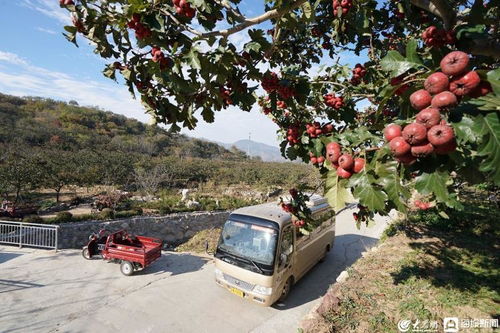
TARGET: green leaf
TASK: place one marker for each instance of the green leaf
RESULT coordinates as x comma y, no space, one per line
411,52
391,182
307,11
193,59
494,80
336,194
489,127
370,196
433,183
395,63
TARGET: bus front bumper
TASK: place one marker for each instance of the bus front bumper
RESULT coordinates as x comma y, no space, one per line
264,300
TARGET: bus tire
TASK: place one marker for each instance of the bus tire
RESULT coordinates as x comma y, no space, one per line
286,289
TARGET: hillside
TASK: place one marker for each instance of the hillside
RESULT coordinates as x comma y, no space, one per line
44,122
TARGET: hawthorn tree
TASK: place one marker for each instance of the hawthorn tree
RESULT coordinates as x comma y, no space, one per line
180,57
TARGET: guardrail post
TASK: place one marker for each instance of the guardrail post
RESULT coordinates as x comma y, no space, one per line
57,235
21,235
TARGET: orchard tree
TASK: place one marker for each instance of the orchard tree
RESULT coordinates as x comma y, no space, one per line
420,113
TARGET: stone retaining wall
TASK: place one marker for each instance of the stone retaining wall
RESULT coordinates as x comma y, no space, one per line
173,229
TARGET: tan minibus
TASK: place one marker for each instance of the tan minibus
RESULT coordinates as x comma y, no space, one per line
261,254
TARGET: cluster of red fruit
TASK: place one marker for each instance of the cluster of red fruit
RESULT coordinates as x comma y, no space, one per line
289,208
160,58
315,129
433,36
66,2
271,83
343,6
333,101
345,164
78,24
182,7
453,82
421,138
362,215
141,31
293,134
422,205
358,72
396,81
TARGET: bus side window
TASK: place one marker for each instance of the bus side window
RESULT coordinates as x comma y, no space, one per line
286,247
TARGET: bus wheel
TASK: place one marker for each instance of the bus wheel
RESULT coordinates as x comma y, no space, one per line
286,289
323,257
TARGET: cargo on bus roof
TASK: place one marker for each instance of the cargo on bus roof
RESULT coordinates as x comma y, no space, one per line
272,211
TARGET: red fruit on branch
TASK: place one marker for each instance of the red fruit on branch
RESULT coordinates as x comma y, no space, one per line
444,99
395,81
422,150
465,83
359,164
484,88
420,99
343,173
446,148
392,131
406,159
415,133
270,82
428,117
333,152
346,161
293,192
320,159
440,135
436,83
355,216
454,63
399,146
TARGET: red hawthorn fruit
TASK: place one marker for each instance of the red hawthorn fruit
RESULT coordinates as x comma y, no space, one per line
444,99
454,63
428,117
328,128
414,133
420,99
321,159
333,152
446,148
484,88
346,161
355,216
422,150
436,83
399,146
343,173
392,131
293,192
440,135
395,81
465,83
314,160
406,159
359,164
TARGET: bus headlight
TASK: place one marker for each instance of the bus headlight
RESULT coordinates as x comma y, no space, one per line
218,274
263,290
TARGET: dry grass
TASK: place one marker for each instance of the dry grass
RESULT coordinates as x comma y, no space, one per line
197,243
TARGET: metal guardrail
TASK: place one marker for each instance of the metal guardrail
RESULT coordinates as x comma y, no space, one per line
29,234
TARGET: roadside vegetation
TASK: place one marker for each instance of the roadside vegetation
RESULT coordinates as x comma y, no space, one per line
427,267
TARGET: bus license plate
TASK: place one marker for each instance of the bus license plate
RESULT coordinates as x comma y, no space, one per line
237,292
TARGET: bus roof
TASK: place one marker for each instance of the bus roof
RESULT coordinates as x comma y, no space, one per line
272,211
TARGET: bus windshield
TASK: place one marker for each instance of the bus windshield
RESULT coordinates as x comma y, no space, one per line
249,241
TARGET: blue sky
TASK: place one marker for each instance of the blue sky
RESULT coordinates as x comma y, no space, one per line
36,60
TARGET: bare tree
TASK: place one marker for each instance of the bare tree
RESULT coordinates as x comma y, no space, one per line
148,181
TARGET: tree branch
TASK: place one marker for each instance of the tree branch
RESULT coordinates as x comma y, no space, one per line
232,10
440,8
247,22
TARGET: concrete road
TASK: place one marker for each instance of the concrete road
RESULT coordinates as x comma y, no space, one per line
43,291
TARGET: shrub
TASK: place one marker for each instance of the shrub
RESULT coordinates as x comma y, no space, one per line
128,213
46,204
33,219
63,217
107,214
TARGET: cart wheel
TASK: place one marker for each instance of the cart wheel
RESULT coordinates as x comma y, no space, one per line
86,253
127,268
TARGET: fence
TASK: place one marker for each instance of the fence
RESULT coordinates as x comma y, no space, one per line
29,234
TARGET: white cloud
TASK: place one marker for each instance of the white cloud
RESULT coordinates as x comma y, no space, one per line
49,8
12,58
27,79
49,31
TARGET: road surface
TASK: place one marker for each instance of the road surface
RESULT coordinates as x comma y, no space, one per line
44,291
